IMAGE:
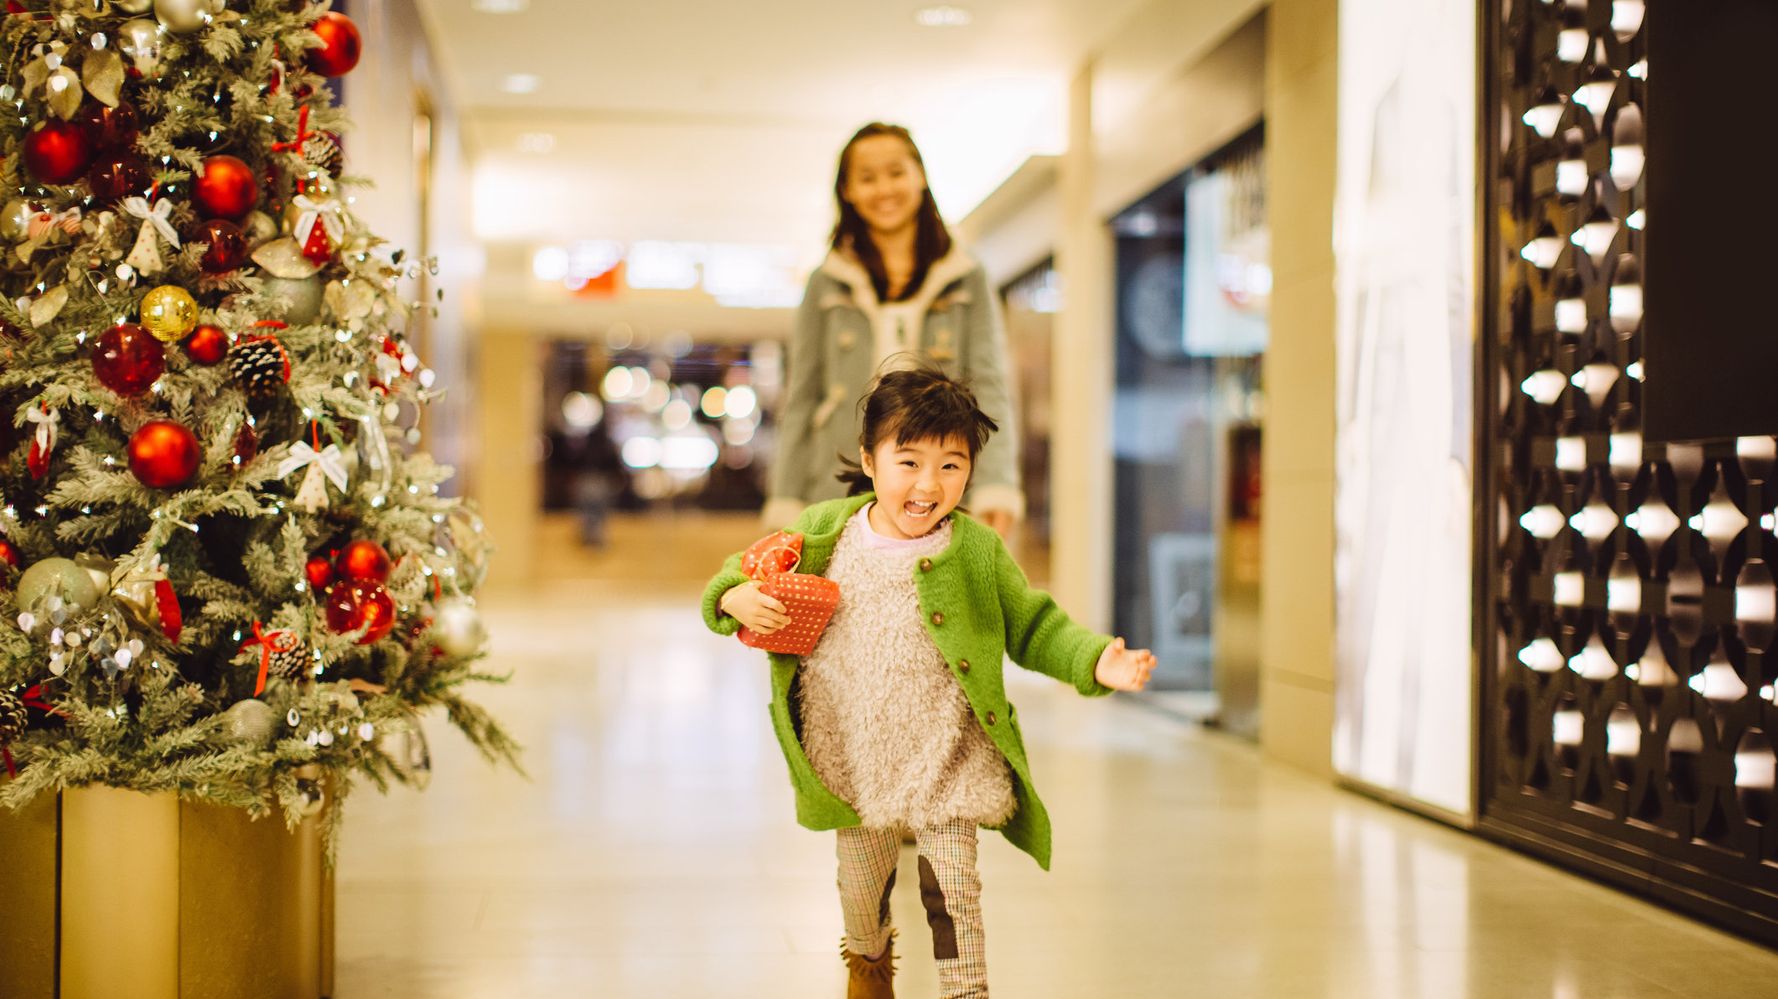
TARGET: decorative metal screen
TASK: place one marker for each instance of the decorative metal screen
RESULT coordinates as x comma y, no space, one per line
1627,643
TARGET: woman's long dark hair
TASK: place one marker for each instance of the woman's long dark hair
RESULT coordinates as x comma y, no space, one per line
931,239
916,404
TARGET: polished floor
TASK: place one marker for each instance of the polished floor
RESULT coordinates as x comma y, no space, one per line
652,851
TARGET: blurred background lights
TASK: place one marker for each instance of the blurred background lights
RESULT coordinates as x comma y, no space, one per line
581,411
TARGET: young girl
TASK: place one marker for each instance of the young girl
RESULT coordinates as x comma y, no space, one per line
893,282
899,717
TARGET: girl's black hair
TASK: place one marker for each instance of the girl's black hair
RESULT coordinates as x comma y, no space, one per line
931,239
916,404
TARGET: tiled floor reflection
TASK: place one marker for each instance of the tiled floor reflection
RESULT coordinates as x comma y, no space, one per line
652,853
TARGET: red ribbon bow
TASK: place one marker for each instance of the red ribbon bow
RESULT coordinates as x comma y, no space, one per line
269,642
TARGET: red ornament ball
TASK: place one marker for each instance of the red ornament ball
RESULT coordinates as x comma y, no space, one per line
341,45
58,152
115,177
113,129
355,604
8,553
164,455
207,344
127,359
319,570
225,189
228,248
365,561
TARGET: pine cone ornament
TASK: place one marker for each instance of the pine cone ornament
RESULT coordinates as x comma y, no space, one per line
12,716
290,665
261,365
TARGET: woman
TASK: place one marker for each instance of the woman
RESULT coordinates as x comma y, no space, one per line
892,284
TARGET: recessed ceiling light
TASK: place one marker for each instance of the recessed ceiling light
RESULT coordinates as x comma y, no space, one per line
537,142
500,6
942,16
521,83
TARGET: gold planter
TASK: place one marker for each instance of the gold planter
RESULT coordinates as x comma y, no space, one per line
111,893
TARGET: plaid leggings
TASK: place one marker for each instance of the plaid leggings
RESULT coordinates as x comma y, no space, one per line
950,889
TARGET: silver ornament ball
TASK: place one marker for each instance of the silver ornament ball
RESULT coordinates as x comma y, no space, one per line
249,723
141,41
301,295
457,627
133,6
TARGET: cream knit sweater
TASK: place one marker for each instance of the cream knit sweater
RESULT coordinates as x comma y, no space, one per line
884,723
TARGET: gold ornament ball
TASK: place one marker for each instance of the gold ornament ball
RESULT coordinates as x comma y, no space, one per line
182,17
169,312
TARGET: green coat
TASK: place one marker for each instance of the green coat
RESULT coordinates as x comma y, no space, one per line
978,607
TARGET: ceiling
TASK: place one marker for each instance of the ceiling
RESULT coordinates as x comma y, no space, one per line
720,122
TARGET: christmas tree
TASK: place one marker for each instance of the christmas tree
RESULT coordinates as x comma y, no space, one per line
224,573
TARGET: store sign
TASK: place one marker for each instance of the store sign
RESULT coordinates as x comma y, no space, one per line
1404,245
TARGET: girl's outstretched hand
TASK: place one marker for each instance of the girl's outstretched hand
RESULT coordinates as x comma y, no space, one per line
746,604
1123,668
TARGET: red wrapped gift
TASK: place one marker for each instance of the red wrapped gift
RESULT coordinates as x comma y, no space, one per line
810,599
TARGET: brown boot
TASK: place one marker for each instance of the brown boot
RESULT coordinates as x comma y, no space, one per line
872,977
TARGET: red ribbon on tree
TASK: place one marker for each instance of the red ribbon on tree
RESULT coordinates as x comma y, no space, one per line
269,642
302,135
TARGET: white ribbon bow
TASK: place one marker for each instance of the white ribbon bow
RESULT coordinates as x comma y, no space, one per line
325,212
47,422
156,216
329,459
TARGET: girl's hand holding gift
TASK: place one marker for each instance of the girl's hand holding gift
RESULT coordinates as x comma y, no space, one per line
746,604
1123,668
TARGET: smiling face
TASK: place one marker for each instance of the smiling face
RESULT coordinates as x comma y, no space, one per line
918,483
883,183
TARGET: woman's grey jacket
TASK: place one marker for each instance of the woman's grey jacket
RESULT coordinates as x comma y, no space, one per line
843,335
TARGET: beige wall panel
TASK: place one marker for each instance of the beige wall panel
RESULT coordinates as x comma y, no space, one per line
1296,641
1297,577
1301,158
1299,391
1149,50
1295,725
508,484
1188,115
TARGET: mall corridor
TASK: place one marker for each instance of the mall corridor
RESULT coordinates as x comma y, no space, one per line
653,853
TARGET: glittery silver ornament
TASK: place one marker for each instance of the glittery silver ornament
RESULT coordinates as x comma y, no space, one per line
249,723
302,297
